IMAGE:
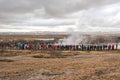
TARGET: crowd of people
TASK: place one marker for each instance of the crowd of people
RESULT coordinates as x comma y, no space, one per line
41,45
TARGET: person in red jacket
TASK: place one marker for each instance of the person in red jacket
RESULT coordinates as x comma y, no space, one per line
113,47
31,45
43,46
109,46
55,47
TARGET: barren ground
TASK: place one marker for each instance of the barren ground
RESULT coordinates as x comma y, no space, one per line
73,65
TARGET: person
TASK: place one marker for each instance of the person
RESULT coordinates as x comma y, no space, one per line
73,47
56,47
60,47
83,47
1,45
43,46
112,46
70,47
22,46
87,47
79,47
109,46
37,46
76,47
65,47
97,47
31,45
18,46
25,46
116,46
100,47
104,47
91,47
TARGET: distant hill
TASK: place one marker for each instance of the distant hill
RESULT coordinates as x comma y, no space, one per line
56,33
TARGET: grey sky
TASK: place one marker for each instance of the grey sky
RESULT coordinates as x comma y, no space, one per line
60,15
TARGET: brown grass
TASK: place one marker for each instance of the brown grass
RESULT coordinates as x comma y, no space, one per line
76,65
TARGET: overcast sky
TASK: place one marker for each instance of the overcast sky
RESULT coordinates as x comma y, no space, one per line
60,15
